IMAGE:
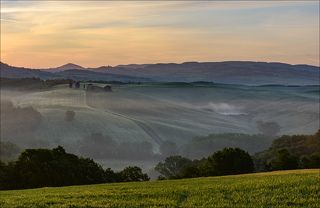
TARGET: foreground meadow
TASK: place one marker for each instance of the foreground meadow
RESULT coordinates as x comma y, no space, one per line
297,188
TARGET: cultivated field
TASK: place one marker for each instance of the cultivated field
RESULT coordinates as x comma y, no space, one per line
296,188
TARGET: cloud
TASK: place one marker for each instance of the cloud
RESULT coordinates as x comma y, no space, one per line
223,109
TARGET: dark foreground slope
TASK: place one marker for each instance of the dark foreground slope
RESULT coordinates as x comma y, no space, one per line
297,188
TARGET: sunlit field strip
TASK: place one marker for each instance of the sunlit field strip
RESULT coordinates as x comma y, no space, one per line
295,188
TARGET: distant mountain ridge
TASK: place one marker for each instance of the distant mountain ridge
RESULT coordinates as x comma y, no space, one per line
82,74
65,67
21,72
228,72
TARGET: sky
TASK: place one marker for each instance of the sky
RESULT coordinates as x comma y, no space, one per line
43,34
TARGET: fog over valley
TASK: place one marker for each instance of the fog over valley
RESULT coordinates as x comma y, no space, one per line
145,122
159,104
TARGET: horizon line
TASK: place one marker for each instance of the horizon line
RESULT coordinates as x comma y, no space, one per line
200,62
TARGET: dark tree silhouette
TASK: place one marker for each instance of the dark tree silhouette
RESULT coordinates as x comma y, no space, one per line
229,161
312,161
133,174
172,166
44,167
284,161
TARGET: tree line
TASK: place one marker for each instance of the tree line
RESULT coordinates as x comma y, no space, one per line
290,152
228,161
285,153
44,167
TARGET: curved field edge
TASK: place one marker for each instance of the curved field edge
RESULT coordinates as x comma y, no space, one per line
294,188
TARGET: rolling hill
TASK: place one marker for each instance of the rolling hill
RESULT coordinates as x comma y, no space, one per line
69,71
159,112
231,72
295,188
8,71
65,67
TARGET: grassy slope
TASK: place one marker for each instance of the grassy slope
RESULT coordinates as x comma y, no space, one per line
297,188
170,112
173,113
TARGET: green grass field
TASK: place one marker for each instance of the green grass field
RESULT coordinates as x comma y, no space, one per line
297,188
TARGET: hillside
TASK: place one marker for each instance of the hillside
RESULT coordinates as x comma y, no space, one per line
155,113
303,147
67,66
68,71
8,71
296,188
229,72
86,75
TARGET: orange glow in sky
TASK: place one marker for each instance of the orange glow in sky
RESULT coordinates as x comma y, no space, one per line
94,33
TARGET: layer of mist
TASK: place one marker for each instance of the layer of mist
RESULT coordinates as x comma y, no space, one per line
142,124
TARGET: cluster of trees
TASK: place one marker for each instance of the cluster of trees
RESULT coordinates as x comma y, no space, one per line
290,152
224,162
203,146
30,83
54,82
22,83
285,153
44,167
285,160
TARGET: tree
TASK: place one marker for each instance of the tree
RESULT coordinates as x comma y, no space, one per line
172,166
284,161
111,176
312,161
229,161
7,176
44,167
69,115
191,171
133,174
303,148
